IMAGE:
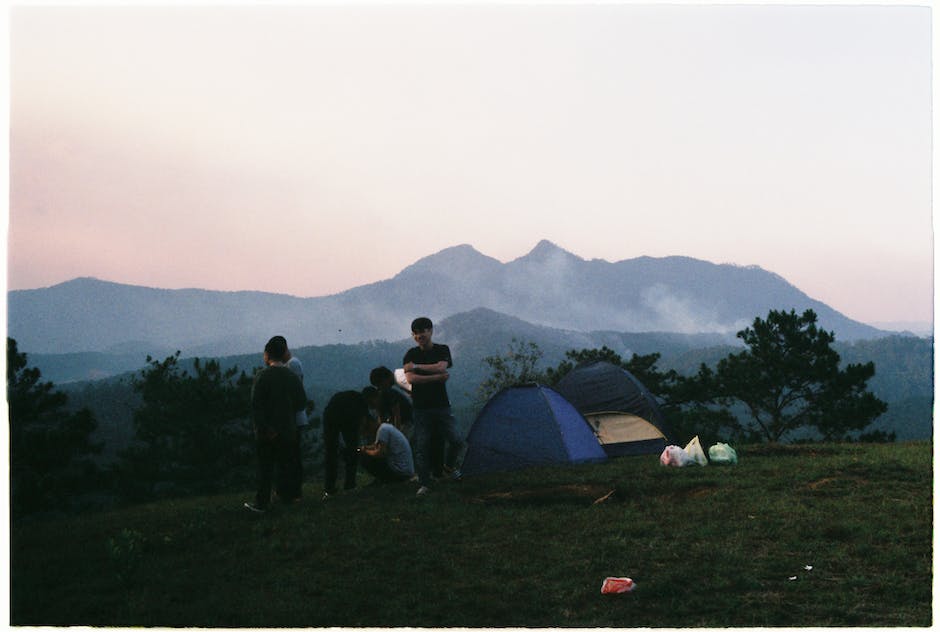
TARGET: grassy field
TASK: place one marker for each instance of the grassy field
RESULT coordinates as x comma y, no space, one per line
707,547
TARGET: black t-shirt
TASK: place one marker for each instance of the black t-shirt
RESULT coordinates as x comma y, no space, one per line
432,394
387,400
346,407
276,396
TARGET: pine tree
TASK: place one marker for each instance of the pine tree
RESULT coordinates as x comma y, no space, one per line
191,430
50,447
789,378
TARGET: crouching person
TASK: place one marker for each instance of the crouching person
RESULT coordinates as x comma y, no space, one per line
389,459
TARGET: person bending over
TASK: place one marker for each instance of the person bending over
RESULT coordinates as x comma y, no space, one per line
343,417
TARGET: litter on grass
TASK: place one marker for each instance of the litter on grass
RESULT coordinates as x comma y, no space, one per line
675,456
805,568
691,454
722,454
694,449
617,585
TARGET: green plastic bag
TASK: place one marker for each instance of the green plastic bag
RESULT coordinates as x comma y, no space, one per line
722,454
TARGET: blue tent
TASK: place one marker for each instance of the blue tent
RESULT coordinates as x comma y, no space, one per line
525,426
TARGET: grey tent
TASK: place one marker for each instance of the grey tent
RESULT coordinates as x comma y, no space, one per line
623,413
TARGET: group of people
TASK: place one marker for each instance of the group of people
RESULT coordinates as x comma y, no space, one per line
397,430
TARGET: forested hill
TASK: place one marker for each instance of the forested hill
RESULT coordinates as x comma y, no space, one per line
903,378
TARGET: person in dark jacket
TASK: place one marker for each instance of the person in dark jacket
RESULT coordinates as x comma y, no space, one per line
344,417
276,397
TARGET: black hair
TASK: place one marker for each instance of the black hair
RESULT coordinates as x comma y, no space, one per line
420,324
276,348
379,374
369,392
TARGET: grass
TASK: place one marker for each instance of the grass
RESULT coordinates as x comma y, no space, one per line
707,547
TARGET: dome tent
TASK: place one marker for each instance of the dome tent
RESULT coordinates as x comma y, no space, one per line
526,426
622,412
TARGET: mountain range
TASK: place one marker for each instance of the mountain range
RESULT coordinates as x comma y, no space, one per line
548,287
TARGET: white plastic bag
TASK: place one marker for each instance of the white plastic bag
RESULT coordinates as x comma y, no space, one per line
722,454
401,380
675,456
694,450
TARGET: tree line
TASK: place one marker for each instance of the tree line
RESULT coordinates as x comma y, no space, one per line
192,430
786,383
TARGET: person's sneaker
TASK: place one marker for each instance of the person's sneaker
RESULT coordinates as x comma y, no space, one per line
423,491
255,508
454,473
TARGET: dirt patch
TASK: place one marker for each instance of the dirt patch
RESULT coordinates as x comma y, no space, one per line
699,492
558,494
843,480
821,482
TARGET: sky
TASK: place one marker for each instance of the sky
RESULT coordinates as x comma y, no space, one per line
309,148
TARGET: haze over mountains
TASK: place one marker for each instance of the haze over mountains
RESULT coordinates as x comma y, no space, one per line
91,334
549,286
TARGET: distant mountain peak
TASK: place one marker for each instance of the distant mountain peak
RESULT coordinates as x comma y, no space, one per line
461,249
84,280
78,284
459,258
546,250
481,313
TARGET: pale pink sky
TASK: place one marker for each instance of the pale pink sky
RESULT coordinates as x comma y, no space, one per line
310,148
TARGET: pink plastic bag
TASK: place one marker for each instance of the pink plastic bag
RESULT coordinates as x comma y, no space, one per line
675,456
614,585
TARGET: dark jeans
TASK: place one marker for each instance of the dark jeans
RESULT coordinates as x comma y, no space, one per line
427,421
436,452
273,454
379,469
335,425
291,481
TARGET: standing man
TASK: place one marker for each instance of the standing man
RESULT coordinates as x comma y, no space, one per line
276,396
426,368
